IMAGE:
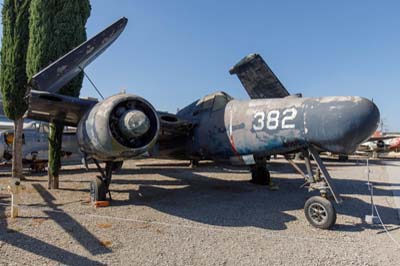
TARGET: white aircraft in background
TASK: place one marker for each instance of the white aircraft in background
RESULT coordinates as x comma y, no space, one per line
35,144
380,143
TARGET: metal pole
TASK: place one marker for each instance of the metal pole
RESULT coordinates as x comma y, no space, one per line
370,219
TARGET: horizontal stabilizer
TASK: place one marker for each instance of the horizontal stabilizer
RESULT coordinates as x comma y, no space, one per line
60,72
52,107
258,79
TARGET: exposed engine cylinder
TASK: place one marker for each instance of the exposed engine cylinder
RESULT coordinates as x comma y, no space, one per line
120,127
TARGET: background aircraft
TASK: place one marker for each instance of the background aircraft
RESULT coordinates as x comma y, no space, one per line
216,127
380,143
35,142
35,145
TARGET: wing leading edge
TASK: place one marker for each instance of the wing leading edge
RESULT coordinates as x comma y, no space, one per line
59,73
44,102
51,107
258,79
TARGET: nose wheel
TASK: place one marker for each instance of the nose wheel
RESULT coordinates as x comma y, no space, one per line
320,212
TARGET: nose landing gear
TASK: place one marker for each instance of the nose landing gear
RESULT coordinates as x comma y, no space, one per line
319,210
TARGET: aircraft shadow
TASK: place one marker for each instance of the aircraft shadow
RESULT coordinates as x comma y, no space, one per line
239,203
216,202
184,175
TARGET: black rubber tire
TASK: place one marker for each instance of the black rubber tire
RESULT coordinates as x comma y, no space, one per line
194,164
116,166
260,175
343,158
320,212
98,190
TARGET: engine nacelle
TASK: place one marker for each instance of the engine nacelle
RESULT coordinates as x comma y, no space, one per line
380,144
120,127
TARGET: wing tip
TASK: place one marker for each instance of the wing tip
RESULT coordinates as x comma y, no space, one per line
123,21
37,81
243,62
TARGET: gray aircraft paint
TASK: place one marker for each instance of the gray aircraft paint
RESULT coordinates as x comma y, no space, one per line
211,128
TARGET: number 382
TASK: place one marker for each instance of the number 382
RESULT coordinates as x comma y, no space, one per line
271,120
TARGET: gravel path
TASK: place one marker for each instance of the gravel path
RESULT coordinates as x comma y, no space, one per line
164,213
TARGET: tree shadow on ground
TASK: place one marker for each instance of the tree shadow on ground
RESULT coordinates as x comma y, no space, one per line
70,225
37,246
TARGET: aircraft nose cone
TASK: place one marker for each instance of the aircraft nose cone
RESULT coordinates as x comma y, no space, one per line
340,124
134,124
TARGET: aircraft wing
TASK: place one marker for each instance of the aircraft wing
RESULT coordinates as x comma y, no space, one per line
56,75
381,138
49,107
258,79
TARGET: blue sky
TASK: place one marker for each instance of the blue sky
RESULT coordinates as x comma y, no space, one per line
173,52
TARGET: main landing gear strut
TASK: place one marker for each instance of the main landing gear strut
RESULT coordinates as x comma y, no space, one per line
99,186
260,174
319,210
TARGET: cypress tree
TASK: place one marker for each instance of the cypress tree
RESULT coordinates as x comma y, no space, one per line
56,27
13,78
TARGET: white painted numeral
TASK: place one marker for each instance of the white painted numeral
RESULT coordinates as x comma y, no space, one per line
289,118
260,121
273,120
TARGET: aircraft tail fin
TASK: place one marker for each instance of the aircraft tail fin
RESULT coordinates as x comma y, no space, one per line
56,75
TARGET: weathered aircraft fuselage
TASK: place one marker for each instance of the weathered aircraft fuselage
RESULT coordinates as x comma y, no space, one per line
270,126
216,127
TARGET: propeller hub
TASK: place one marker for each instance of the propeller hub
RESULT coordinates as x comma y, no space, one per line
134,123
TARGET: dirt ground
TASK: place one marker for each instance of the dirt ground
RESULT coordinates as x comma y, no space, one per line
165,213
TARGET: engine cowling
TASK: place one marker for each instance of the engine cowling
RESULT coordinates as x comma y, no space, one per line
380,144
120,127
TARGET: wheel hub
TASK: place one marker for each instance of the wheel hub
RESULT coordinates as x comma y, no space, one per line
318,213
92,191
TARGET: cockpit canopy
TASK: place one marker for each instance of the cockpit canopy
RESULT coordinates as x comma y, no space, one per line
212,102
216,101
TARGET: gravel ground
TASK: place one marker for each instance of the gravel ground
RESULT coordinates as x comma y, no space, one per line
164,213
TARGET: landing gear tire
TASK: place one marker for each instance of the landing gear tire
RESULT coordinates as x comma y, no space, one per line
320,212
117,166
98,191
193,164
260,175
